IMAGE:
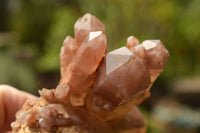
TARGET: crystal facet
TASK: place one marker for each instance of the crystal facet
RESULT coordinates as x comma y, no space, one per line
115,89
94,34
148,44
88,23
98,91
157,56
80,61
132,42
116,59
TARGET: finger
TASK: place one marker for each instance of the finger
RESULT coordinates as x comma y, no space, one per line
11,100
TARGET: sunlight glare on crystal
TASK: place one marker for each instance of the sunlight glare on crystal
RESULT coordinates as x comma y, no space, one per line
148,44
94,34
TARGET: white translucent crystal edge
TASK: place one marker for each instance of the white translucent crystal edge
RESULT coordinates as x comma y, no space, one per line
82,23
148,44
123,55
129,38
94,34
121,51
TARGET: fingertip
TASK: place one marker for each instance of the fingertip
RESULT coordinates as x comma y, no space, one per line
11,100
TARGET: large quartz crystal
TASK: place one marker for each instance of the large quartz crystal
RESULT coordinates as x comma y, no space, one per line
98,91
80,57
117,83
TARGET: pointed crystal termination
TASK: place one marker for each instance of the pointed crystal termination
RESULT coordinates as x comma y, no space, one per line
80,58
116,59
132,42
88,23
67,53
155,55
85,25
121,76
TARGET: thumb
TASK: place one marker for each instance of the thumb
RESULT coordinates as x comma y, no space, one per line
11,100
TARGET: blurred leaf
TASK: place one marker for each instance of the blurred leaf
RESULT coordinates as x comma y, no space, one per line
61,27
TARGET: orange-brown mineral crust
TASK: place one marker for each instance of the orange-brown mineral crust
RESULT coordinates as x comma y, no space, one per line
98,91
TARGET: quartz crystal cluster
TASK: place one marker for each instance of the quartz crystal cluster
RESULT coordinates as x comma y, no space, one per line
98,91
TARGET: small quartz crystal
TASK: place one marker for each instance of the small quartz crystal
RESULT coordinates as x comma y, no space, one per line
132,42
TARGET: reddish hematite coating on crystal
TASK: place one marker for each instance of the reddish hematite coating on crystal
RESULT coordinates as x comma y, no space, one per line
116,88
96,94
81,56
132,78
132,42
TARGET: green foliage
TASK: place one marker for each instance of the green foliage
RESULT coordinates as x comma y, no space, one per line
17,74
32,21
61,27
39,28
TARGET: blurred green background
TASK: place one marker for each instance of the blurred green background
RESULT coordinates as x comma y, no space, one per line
32,32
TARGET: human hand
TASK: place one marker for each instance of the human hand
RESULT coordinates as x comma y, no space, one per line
11,100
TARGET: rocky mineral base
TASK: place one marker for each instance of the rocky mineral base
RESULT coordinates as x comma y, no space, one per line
98,91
